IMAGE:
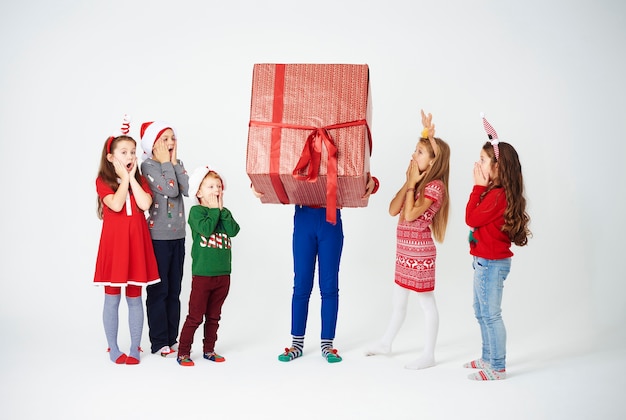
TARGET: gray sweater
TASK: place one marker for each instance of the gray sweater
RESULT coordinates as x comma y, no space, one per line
168,183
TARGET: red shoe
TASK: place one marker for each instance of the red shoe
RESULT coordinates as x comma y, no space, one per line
120,360
130,360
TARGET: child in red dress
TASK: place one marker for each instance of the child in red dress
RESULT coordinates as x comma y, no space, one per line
125,255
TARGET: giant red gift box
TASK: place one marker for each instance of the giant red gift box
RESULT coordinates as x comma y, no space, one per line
309,140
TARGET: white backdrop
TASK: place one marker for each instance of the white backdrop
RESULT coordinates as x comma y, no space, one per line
549,75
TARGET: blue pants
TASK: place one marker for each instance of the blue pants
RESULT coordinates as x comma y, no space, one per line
315,239
163,298
489,276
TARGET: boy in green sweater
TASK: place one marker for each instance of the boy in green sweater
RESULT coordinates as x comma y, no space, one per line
212,227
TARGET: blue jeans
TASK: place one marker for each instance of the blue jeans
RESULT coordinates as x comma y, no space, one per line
489,276
315,239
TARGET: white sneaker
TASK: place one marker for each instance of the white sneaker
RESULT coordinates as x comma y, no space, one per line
166,351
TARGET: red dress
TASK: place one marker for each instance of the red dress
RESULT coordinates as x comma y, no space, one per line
415,248
125,254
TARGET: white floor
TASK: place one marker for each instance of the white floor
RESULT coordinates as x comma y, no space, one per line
69,376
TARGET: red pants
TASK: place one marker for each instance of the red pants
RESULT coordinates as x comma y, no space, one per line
208,294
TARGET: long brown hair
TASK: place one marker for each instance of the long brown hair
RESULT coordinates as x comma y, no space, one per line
440,170
510,177
107,170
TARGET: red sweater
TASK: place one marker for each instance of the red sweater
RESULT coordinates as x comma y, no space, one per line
486,216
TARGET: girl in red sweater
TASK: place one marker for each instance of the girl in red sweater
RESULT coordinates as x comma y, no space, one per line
496,214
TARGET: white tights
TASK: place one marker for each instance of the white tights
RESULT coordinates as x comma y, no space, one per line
398,315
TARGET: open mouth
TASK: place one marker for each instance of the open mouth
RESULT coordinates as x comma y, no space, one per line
129,165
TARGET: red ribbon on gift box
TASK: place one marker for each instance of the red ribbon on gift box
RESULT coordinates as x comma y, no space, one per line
311,153
310,158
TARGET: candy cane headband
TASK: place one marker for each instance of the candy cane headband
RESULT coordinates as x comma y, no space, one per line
124,130
493,136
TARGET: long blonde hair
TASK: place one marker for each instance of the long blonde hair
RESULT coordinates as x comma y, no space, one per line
440,170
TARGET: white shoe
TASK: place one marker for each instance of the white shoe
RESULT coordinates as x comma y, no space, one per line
166,351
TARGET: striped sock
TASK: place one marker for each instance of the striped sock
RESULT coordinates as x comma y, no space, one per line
488,374
476,364
296,350
327,346
329,353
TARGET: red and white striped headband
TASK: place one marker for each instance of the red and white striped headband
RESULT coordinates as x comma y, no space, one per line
493,136
124,130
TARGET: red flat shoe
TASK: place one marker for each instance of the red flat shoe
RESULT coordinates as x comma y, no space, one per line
120,360
132,361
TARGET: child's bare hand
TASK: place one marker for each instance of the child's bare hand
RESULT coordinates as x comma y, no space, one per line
479,176
371,184
408,171
160,152
173,158
255,192
120,170
133,168
212,202
413,174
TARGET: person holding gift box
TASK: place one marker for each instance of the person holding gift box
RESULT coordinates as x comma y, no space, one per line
421,203
315,238
309,144
168,181
212,227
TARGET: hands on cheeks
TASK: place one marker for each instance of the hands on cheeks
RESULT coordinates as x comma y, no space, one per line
160,153
122,171
480,178
173,157
215,201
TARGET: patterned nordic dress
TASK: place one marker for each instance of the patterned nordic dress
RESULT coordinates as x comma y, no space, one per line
415,248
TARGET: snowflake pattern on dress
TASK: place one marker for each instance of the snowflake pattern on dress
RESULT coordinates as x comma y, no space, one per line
415,249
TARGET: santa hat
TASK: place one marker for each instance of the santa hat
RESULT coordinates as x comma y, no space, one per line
150,132
196,178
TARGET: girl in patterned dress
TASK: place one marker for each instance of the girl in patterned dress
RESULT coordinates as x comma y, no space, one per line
125,255
421,203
